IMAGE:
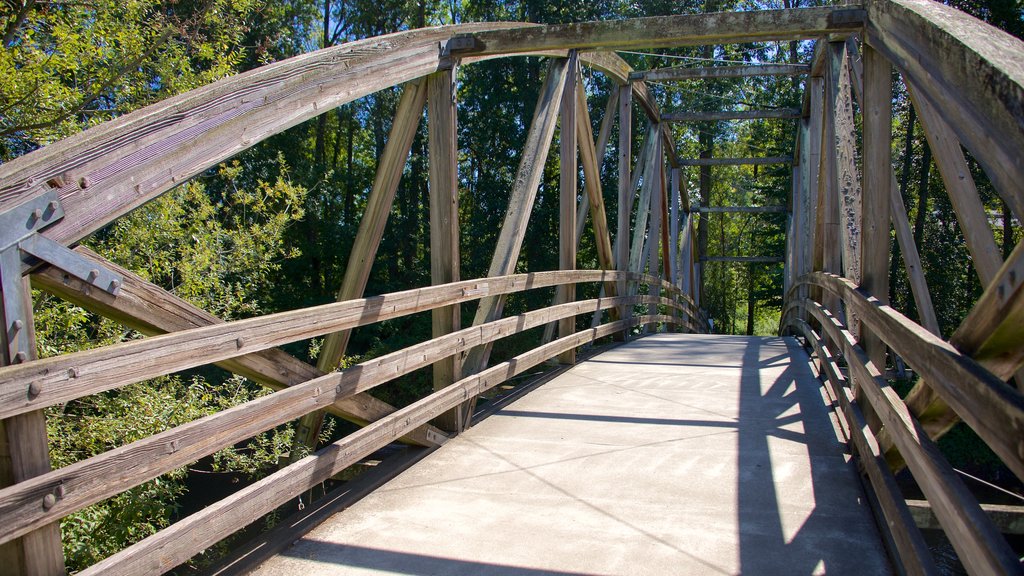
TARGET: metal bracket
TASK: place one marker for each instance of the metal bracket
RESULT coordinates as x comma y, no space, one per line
22,247
454,44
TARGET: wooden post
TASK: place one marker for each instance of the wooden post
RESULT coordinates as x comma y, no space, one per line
364,248
878,176
442,120
567,202
653,238
625,193
667,263
673,246
847,180
24,449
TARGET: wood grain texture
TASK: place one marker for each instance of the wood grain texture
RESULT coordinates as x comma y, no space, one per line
182,540
913,551
848,178
568,175
667,31
71,376
992,409
976,539
706,72
625,196
151,310
970,72
93,479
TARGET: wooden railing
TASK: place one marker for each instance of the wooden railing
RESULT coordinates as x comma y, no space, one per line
46,498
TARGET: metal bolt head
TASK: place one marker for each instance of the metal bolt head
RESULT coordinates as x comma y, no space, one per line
34,389
73,372
17,325
93,274
48,501
37,214
20,357
239,342
84,182
59,491
52,206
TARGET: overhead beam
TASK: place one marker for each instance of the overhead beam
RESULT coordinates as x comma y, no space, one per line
709,72
747,259
735,161
755,209
668,31
778,113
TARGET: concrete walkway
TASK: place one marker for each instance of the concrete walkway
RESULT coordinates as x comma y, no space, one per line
674,454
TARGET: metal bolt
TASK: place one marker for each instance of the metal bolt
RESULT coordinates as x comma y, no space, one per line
34,389
52,206
37,214
20,357
74,372
239,342
92,274
17,325
84,182
59,491
48,501
115,285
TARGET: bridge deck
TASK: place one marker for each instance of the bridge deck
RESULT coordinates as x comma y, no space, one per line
673,454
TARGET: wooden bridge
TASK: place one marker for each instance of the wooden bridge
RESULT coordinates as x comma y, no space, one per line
966,80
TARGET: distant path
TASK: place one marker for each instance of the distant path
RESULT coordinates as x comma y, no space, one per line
673,454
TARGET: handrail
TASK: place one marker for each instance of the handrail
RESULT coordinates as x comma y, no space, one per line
972,533
86,482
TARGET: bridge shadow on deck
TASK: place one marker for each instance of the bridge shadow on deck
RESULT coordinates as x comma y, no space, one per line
666,456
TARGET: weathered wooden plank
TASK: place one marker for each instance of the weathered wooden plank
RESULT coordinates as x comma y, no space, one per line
71,376
151,310
848,180
625,192
663,205
654,234
992,409
24,445
777,113
179,542
108,170
709,72
901,224
673,246
568,176
1009,519
591,163
93,479
910,545
976,539
513,229
668,31
643,209
970,72
876,114
735,161
444,221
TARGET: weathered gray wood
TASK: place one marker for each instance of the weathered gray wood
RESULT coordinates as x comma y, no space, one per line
625,192
364,247
108,170
93,479
970,212
970,72
654,235
876,113
182,540
668,31
744,71
735,161
848,180
643,209
151,310
816,88
901,224
913,552
513,229
1009,519
568,175
444,221
748,209
673,246
63,378
24,446
777,113
591,158
976,539
981,398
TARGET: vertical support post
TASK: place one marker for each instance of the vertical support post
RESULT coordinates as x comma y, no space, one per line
878,177
24,452
828,188
673,246
442,120
567,201
625,193
654,235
